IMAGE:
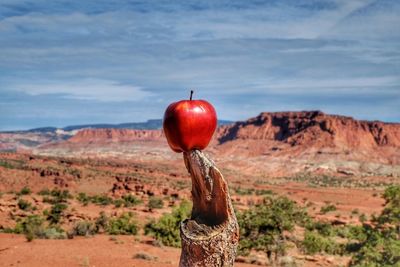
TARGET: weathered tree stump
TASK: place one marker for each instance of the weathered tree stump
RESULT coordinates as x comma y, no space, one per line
210,237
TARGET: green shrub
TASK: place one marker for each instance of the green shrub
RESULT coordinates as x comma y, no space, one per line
130,200
391,212
31,222
351,232
84,228
57,196
145,256
323,228
362,218
118,203
44,192
61,195
56,212
53,233
327,208
262,226
24,205
380,245
155,203
102,200
313,243
316,243
261,192
355,212
25,191
166,229
83,198
6,164
8,230
243,191
125,224
101,223
356,232
47,199
381,248
33,227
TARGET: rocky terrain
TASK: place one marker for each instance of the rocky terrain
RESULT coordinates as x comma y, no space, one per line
333,167
314,131
30,185
313,127
313,141
291,142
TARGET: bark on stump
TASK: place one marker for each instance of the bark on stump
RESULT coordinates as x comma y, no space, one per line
210,237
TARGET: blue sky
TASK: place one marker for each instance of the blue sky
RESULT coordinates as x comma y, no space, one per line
73,62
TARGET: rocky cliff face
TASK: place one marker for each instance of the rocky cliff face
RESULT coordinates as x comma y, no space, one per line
313,128
278,143
311,131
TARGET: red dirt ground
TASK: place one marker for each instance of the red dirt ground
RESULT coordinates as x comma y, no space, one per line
99,251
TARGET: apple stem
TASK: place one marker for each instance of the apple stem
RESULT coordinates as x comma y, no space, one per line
191,95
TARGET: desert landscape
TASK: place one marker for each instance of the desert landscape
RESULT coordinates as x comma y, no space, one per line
200,133
114,196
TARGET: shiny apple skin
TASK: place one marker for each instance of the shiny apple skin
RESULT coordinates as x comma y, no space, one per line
189,124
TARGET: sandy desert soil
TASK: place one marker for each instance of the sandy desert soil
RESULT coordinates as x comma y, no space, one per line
99,251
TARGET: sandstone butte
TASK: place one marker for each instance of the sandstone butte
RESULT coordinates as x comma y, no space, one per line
306,128
302,128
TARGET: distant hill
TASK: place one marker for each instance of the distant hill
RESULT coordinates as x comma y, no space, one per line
274,143
148,125
29,139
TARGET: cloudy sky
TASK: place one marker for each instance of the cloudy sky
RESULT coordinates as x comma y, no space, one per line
98,61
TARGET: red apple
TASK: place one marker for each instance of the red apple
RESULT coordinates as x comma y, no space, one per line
189,124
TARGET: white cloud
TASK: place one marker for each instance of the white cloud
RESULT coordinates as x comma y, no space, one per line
146,50
337,83
283,21
87,89
377,20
